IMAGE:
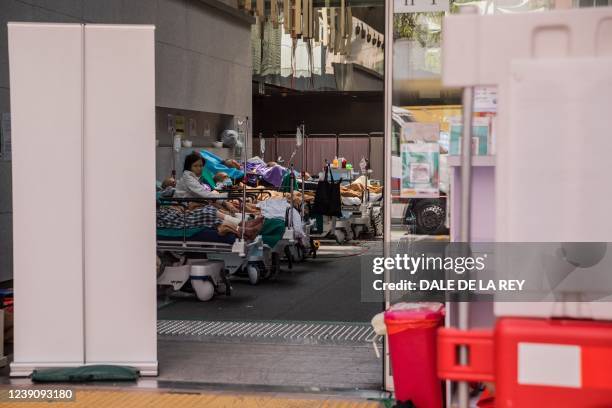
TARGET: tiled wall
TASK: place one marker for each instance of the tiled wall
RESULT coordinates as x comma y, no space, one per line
202,63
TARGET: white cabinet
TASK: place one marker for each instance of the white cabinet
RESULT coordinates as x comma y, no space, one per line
83,117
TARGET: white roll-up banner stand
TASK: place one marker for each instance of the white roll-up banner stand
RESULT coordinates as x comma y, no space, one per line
83,131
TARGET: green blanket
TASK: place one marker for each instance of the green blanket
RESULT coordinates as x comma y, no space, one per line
177,232
286,183
207,177
272,231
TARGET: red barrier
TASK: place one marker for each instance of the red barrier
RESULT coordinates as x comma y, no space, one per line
535,362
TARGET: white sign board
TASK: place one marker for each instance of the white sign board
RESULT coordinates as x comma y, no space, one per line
485,99
420,6
420,132
420,170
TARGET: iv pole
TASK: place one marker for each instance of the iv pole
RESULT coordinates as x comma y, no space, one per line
239,245
244,158
302,205
463,312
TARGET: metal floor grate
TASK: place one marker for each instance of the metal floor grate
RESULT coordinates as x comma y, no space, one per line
277,332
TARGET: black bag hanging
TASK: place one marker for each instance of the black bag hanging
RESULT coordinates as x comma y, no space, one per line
327,197
321,196
335,200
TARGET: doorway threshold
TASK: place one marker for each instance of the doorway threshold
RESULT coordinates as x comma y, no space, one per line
277,332
201,387
280,356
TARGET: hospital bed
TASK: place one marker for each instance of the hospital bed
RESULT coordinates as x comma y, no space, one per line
365,214
233,256
306,246
291,244
360,214
293,249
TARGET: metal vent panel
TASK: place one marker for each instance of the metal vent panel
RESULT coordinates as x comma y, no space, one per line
276,332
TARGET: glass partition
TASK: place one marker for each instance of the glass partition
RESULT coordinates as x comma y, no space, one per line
424,124
331,46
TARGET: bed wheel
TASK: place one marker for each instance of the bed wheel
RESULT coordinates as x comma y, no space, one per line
226,283
275,265
267,272
205,290
254,274
357,231
349,235
165,259
376,220
340,236
289,257
267,269
300,253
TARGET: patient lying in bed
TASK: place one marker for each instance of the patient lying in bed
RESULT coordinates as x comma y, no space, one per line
206,216
202,215
223,220
224,182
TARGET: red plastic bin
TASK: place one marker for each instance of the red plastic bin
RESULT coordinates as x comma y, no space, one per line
412,330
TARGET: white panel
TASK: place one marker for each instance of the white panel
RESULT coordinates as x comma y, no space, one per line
119,168
46,102
553,139
477,49
557,152
549,364
460,39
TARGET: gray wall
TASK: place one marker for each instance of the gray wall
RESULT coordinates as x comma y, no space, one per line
216,123
203,63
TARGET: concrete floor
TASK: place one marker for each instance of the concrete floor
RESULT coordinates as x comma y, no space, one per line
327,288
323,289
283,365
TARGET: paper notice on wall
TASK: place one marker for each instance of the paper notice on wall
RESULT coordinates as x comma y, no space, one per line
420,132
485,99
6,148
480,137
179,124
420,170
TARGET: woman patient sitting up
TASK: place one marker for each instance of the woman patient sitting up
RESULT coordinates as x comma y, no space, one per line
190,186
